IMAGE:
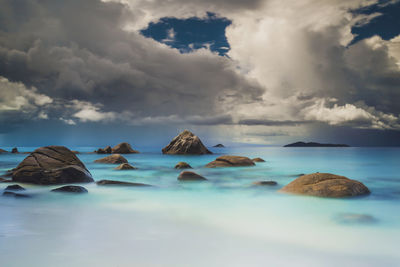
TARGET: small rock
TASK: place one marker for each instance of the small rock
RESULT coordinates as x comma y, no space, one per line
182,165
190,176
219,145
112,159
265,183
14,150
123,148
17,195
71,189
230,161
106,150
258,160
125,166
14,187
111,182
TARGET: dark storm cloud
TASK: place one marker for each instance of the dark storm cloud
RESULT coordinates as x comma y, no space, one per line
271,122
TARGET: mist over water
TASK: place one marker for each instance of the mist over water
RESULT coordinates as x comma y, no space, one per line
222,222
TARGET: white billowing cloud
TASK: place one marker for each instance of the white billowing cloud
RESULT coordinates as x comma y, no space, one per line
89,112
68,121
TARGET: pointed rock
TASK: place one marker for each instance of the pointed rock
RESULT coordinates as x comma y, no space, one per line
51,165
123,148
112,159
186,143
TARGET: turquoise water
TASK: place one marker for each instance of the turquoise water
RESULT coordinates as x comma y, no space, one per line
222,222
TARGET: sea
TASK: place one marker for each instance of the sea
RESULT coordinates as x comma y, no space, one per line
225,221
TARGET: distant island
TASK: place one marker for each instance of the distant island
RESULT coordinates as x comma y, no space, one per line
314,144
219,145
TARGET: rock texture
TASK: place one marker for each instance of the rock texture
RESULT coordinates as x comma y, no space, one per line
258,160
51,165
14,150
265,183
120,183
186,143
112,159
14,187
326,185
230,161
123,148
182,165
71,189
190,176
125,166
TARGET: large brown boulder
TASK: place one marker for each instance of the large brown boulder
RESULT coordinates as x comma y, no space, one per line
230,161
258,160
190,176
186,143
51,165
326,185
182,165
112,159
123,148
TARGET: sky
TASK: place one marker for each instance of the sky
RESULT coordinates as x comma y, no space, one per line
260,72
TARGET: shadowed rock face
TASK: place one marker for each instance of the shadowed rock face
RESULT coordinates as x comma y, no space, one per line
258,160
120,183
51,165
112,159
230,161
123,148
186,143
14,150
183,165
106,150
14,187
326,185
190,176
71,189
125,166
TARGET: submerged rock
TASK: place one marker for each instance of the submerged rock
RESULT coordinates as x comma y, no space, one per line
258,160
14,194
182,165
14,187
350,218
190,176
71,189
264,183
14,150
51,165
112,159
125,166
326,185
230,161
186,143
219,145
111,182
123,148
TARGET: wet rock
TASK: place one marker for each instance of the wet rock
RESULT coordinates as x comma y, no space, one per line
14,194
120,183
264,183
14,187
219,145
123,148
14,150
258,160
71,189
112,159
186,143
190,176
230,161
182,165
326,185
51,165
125,166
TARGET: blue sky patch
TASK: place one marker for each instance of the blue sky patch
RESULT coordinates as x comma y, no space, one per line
191,34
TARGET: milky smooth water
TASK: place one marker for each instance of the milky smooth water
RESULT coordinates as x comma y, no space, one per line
222,222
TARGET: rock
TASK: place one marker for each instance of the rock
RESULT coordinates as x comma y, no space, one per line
14,150
17,195
230,161
326,185
182,165
71,189
264,183
349,218
123,148
125,166
112,159
106,150
3,151
219,145
14,187
190,176
186,143
8,173
258,160
75,152
111,182
314,144
51,165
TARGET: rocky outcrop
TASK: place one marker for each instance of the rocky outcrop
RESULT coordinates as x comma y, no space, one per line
14,187
326,185
123,148
264,183
51,165
230,161
314,144
3,151
190,176
186,143
258,160
119,183
71,189
112,159
106,150
125,166
14,150
219,145
182,165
